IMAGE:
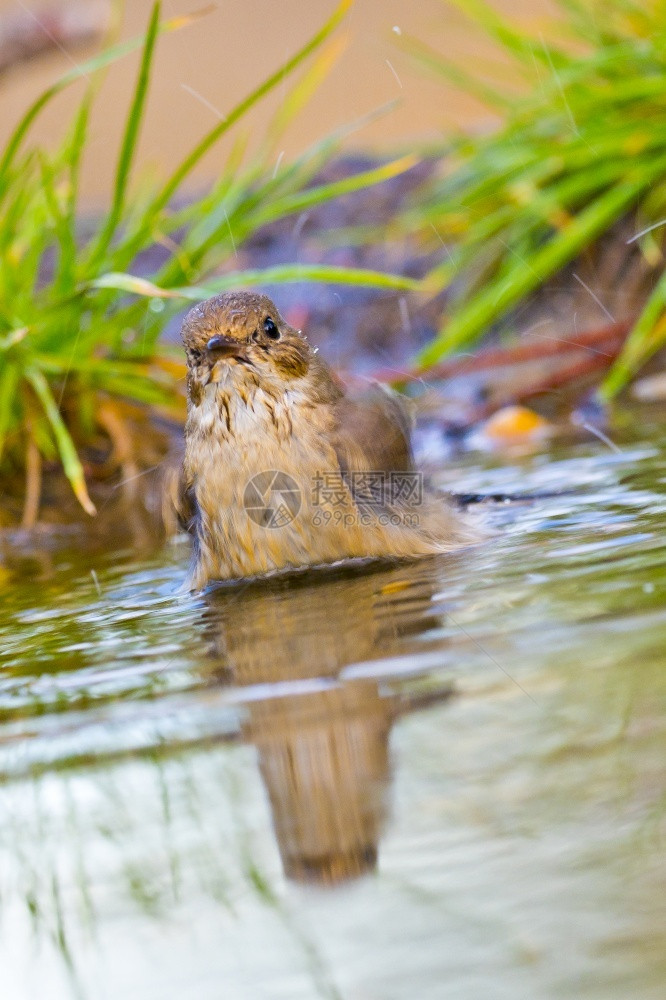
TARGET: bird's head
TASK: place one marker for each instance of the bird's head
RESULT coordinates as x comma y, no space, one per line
240,338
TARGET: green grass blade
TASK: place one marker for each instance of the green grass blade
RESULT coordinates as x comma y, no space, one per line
131,283
289,273
130,138
9,379
302,200
646,337
581,151
85,69
303,91
245,105
455,74
66,277
66,449
281,273
517,43
151,219
525,276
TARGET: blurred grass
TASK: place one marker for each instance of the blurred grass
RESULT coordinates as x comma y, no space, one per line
581,145
74,320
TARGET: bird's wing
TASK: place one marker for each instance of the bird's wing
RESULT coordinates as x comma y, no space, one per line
371,431
178,503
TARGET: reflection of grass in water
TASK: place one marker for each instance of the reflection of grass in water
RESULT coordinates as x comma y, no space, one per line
157,833
82,874
61,937
40,881
167,820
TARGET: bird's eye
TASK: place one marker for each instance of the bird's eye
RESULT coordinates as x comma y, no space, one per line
270,329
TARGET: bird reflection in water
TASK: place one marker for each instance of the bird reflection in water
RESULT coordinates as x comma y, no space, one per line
319,710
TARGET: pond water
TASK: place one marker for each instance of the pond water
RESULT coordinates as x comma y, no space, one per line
386,783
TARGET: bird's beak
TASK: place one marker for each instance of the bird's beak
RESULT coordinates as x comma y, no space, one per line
225,347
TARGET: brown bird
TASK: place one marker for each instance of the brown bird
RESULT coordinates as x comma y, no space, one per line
284,468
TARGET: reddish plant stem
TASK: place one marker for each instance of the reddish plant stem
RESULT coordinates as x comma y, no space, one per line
605,341
33,483
556,379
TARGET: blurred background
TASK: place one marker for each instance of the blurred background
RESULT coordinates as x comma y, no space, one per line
204,70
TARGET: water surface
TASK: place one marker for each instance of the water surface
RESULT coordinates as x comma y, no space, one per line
443,779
